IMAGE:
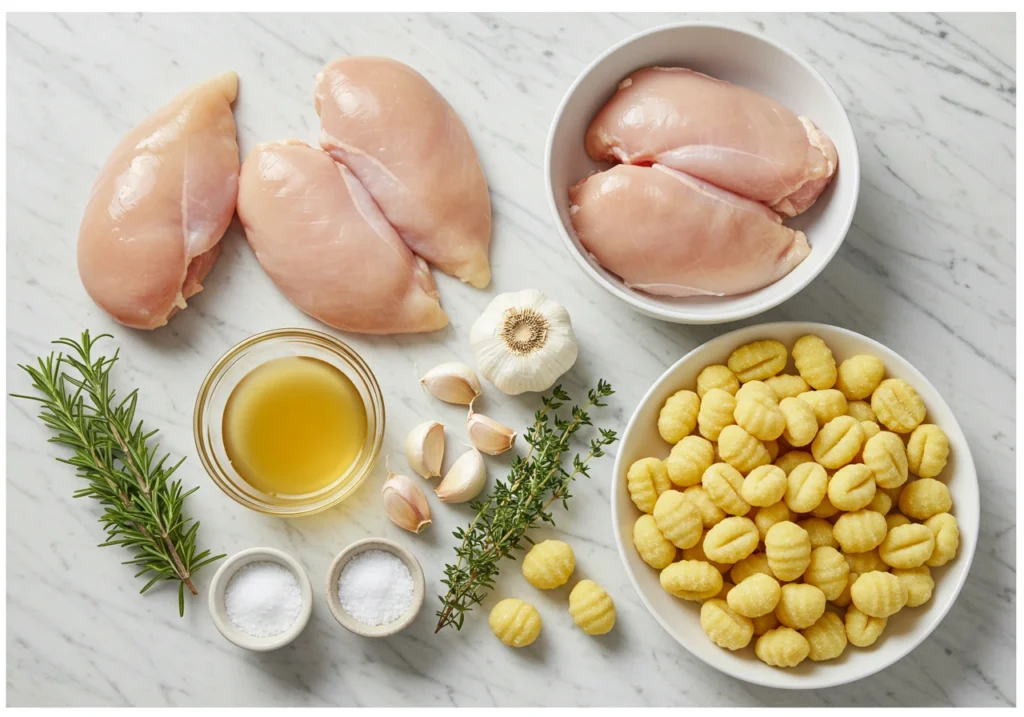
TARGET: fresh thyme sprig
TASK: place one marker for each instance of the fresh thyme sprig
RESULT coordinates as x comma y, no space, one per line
112,452
535,482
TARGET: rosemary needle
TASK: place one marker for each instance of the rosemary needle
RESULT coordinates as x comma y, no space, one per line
112,452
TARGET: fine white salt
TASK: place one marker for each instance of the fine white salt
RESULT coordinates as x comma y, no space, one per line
263,599
375,587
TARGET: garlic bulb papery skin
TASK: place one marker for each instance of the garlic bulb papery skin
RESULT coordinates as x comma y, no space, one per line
452,382
523,342
488,435
424,448
405,503
464,480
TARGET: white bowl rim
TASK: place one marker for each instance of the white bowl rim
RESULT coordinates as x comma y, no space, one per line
841,677
680,314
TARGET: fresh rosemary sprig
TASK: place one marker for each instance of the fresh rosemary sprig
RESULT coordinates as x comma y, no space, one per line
535,482
112,452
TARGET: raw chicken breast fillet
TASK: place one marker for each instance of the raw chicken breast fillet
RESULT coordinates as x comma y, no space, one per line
398,135
667,233
162,201
323,240
725,134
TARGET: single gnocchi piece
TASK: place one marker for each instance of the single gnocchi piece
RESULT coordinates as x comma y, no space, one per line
861,410
764,623
790,460
691,580
893,520
768,516
515,622
870,429
919,584
897,405
764,486
925,497
885,455
852,487
688,460
549,564
654,548
760,416
756,564
741,450
677,519
859,376
825,510
827,404
927,450
806,487
716,412
592,609
724,485
697,553
947,539
801,422
907,546
800,605
758,360
725,626
863,630
731,540
838,442
782,647
786,385
719,377
678,417
710,514
828,571
756,389
844,597
881,503
878,594
756,596
819,531
646,479
788,548
814,362
860,531
866,562
826,638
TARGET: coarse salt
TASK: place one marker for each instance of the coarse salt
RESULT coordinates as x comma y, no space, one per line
263,599
375,587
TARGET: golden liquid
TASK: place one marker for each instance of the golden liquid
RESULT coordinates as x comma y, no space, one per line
294,425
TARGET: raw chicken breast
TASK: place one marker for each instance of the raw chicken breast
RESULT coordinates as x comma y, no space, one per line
162,201
404,142
665,232
322,239
728,135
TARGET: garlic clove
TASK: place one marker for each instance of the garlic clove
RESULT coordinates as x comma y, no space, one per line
464,480
452,382
405,503
424,448
523,341
488,435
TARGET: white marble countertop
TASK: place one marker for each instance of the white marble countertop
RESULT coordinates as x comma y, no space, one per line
927,269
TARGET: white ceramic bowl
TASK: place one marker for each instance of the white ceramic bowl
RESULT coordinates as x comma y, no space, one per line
219,613
745,59
681,619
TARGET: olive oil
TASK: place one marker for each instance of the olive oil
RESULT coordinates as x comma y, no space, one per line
294,425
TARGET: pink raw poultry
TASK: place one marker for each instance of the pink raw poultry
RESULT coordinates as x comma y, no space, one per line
667,233
728,135
161,204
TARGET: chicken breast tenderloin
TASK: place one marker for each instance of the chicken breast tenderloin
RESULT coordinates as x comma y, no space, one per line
160,205
725,134
668,233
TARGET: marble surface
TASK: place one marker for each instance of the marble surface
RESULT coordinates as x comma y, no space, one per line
928,269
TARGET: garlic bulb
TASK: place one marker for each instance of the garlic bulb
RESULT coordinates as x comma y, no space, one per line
452,382
464,480
424,448
405,503
488,435
523,342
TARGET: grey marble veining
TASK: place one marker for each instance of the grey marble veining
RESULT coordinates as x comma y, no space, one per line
928,269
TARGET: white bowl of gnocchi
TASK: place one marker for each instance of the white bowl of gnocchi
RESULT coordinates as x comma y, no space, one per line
795,504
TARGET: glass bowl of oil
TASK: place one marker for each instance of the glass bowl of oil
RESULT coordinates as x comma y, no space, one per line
289,422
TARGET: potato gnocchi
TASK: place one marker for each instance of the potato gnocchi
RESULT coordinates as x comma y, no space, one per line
549,564
591,608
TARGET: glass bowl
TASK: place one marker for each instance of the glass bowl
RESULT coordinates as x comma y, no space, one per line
236,364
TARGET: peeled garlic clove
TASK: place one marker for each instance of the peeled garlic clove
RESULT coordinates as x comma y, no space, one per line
488,435
424,449
464,480
452,382
523,341
405,503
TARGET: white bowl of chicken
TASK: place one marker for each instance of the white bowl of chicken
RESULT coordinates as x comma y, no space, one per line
700,173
